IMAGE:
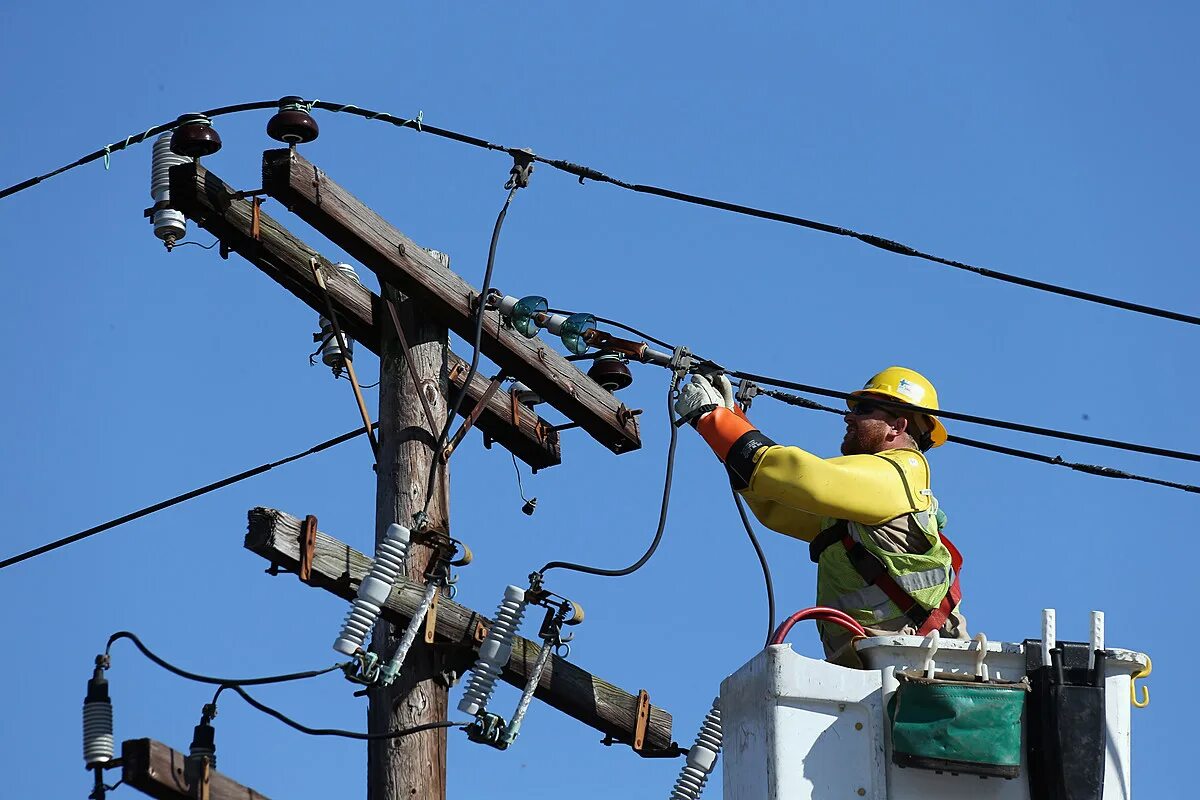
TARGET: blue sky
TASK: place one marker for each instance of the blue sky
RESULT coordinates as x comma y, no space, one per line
1052,141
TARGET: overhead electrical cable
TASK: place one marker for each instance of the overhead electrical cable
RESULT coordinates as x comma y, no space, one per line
1056,461
230,682
232,479
662,514
476,344
365,737
975,419
762,561
588,173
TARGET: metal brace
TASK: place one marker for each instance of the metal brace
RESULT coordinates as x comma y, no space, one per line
471,419
642,719
412,368
431,617
255,215
308,543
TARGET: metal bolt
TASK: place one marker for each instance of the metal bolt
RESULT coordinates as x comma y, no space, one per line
861,791
858,726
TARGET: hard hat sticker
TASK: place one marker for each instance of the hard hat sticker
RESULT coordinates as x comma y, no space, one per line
910,390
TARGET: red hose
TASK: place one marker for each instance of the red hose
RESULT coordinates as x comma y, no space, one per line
822,613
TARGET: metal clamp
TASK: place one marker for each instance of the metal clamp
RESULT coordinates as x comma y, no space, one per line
522,168
747,391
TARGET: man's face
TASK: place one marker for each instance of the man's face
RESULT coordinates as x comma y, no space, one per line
869,429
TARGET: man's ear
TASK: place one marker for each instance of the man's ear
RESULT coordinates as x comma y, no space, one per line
902,425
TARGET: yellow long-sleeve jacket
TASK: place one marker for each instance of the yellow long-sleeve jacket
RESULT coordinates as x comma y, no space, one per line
881,501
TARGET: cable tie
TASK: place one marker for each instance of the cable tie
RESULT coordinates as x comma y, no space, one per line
106,152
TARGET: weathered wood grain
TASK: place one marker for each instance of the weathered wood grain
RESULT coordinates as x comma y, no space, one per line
157,770
285,258
309,193
338,568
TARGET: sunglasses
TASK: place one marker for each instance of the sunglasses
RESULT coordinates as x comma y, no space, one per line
866,407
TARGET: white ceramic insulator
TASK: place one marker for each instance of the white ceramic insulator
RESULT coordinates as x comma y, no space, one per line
507,303
168,223
97,732
494,652
554,324
331,350
701,758
374,590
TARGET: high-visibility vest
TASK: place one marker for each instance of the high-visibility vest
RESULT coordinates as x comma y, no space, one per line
876,586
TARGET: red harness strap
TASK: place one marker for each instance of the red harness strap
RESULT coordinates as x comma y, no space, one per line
873,572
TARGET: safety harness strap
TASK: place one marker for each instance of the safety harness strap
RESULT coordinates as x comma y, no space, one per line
874,573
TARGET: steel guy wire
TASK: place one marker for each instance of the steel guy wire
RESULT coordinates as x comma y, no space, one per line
588,173
232,479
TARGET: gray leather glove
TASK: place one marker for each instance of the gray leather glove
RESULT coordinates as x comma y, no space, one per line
698,397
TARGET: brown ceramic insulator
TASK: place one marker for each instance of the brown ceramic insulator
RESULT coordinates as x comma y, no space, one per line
292,124
610,372
195,137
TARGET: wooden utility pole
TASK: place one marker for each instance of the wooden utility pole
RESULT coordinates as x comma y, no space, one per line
413,766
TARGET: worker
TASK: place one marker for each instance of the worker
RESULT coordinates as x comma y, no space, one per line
871,521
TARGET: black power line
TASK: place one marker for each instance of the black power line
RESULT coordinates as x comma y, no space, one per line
232,479
588,173
977,420
365,737
192,676
1057,461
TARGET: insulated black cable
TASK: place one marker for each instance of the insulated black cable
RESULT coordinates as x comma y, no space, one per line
762,560
1057,461
365,737
192,676
435,462
588,173
232,479
662,514
977,420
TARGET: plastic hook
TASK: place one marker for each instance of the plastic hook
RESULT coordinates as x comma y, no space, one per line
932,641
981,669
1142,673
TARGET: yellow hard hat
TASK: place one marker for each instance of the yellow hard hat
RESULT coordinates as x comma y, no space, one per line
907,386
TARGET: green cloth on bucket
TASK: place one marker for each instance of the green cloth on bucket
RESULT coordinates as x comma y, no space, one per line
950,723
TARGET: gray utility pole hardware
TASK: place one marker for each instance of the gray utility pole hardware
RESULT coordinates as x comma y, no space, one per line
338,568
398,261
242,227
157,770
